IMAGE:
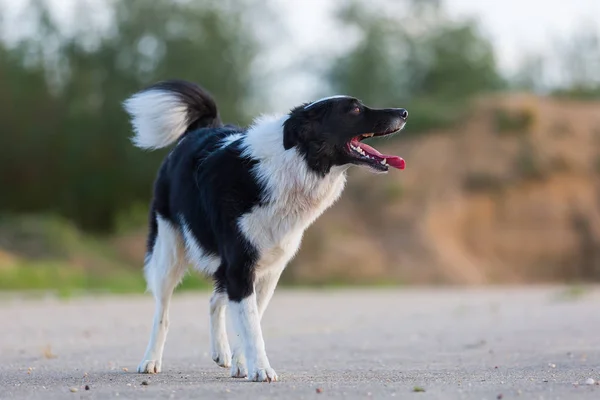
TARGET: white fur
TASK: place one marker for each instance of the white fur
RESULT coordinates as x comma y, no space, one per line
196,255
230,139
266,281
265,286
238,362
325,99
219,344
297,196
164,270
158,117
246,323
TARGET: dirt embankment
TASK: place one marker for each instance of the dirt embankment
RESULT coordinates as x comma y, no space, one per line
512,195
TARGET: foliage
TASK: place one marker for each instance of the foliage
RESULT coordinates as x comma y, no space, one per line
423,61
570,69
49,253
477,182
527,164
64,141
586,92
514,122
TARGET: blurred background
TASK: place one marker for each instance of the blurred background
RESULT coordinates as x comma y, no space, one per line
502,147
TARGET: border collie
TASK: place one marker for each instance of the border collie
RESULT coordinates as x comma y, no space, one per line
235,202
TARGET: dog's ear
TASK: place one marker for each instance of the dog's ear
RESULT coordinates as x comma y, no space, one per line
293,132
297,128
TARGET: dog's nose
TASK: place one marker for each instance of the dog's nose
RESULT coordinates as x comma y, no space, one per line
403,113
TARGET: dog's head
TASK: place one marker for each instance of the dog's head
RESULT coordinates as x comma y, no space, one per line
329,132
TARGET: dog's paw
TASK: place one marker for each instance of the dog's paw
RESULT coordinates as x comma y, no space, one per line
222,357
238,367
219,347
263,375
149,367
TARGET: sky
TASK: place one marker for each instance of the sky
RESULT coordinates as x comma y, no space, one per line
516,27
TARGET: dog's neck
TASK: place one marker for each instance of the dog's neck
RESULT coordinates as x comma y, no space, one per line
285,173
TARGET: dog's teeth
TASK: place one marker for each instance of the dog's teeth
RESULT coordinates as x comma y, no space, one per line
383,162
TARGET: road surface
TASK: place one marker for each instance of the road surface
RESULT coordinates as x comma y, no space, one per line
487,343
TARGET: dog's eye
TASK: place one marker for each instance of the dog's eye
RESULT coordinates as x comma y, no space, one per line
356,110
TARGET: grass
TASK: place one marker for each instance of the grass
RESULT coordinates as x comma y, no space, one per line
340,283
394,192
514,122
571,293
482,182
527,164
44,254
67,281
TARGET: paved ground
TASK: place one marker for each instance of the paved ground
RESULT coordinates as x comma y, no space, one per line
454,343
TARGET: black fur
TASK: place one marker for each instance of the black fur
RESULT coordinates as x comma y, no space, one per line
321,131
212,203
202,109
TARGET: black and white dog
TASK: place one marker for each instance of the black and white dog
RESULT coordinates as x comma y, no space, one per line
235,202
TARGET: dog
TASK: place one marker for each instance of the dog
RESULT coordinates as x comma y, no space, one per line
234,203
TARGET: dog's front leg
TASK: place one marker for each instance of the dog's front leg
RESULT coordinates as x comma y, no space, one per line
264,287
245,318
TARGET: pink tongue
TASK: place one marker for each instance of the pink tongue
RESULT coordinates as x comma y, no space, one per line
393,161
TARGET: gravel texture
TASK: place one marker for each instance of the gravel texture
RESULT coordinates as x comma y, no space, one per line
457,343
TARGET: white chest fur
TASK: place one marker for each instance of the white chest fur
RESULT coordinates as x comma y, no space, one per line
276,228
295,196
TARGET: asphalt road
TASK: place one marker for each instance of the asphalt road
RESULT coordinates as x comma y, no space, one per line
541,343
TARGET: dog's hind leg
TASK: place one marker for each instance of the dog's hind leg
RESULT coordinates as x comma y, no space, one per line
219,343
164,269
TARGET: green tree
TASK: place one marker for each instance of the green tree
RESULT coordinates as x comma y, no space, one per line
569,68
578,57
420,59
64,138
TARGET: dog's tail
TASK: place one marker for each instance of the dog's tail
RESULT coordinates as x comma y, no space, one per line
163,112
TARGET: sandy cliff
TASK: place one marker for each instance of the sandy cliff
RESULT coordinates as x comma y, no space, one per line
511,195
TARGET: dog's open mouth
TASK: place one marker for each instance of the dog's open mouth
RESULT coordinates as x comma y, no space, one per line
370,156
